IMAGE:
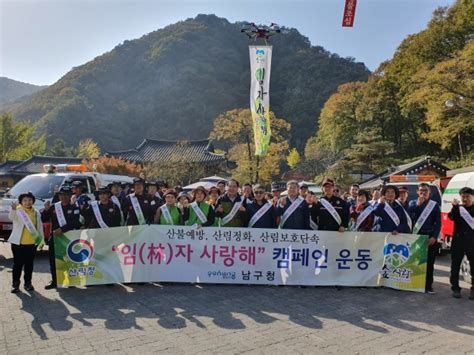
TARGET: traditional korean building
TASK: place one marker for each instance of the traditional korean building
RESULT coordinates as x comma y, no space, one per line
424,166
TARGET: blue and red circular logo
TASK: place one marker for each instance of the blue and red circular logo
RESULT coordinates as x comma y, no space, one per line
80,250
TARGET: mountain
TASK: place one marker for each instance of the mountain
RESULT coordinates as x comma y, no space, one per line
11,90
172,83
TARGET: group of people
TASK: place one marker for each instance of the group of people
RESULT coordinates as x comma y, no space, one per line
227,204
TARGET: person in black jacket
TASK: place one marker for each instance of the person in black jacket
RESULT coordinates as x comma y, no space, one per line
261,220
321,213
463,239
129,213
109,212
61,223
296,217
430,226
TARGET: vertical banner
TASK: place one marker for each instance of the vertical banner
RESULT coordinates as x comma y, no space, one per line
260,66
349,13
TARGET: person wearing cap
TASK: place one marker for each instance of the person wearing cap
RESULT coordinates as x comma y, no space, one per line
26,237
154,196
79,197
293,209
462,214
230,207
260,212
330,213
117,197
304,190
136,206
403,198
362,215
199,212
391,216
153,188
221,184
169,213
64,216
103,213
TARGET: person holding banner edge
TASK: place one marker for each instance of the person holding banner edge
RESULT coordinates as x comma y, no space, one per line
26,237
463,239
63,216
427,216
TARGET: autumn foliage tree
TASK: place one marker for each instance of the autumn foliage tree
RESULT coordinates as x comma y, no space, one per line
112,165
235,130
401,108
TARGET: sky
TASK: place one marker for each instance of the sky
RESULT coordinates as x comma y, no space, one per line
41,40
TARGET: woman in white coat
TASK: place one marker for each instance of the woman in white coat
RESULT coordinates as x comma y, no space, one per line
27,235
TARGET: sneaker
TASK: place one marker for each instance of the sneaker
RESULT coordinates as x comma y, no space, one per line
430,291
29,287
471,294
50,286
457,293
15,289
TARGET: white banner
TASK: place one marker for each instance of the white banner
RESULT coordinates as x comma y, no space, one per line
240,255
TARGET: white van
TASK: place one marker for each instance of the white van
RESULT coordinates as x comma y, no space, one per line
457,182
43,186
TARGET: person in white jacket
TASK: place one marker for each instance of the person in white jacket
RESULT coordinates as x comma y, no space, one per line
27,236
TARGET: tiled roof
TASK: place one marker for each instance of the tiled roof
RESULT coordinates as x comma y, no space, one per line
36,162
6,166
404,169
151,150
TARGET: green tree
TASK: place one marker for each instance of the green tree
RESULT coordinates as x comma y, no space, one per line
370,153
59,149
234,128
19,140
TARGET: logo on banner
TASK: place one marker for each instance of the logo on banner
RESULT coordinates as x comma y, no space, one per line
396,254
80,250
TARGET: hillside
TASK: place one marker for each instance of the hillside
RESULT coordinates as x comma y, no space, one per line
11,90
172,84
401,112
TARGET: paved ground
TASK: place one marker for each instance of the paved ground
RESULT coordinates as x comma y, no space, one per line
182,318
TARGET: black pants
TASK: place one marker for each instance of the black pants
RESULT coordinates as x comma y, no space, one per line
432,252
23,257
52,261
463,244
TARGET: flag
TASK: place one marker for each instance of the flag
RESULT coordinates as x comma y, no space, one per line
260,66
